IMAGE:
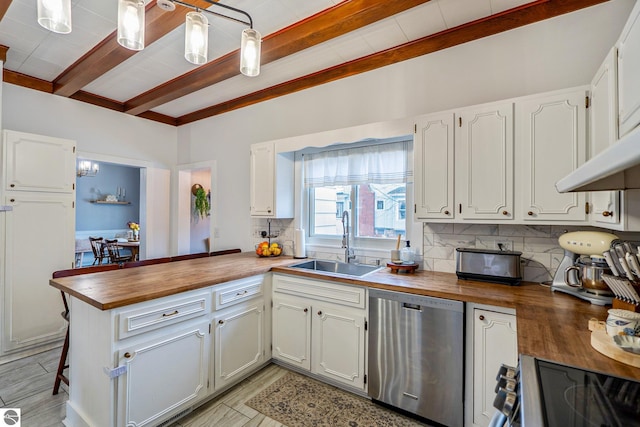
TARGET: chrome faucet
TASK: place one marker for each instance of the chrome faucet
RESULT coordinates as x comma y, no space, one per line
348,252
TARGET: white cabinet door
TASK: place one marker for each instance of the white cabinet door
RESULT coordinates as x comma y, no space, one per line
291,326
38,240
628,71
271,182
338,345
494,343
261,172
163,375
238,341
484,162
433,167
551,131
38,163
603,126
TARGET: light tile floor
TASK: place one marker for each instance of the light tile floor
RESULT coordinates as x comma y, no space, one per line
27,384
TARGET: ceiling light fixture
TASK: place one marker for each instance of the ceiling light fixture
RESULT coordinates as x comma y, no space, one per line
87,168
196,36
55,15
131,24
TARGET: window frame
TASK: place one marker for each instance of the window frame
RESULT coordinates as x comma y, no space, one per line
358,243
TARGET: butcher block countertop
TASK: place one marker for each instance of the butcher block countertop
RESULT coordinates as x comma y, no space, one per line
551,326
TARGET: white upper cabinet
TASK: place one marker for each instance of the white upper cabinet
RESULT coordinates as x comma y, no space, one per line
434,166
484,162
551,135
603,131
38,163
628,71
271,182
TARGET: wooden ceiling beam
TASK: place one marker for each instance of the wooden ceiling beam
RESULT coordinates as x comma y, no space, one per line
108,53
29,82
524,15
325,25
4,6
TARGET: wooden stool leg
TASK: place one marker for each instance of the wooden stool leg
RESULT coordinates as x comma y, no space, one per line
62,365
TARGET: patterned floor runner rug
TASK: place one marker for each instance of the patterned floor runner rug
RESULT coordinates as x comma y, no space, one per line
299,401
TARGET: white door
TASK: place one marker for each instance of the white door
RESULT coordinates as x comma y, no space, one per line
494,343
238,341
603,126
338,349
484,162
39,239
163,376
155,208
261,183
39,163
628,72
551,131
291,327
433,167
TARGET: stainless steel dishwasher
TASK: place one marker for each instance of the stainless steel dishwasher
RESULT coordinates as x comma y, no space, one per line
416,354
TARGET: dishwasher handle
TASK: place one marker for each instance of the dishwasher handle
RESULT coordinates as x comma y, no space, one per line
409,306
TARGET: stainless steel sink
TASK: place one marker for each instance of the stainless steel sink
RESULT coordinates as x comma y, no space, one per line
337,267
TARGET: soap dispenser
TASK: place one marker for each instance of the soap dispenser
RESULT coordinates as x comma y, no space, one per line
406,254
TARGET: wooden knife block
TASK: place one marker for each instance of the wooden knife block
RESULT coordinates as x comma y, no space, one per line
617,303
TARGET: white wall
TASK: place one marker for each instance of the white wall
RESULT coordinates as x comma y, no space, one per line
558,53
95,129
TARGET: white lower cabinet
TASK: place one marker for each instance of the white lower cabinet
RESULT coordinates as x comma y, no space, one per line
338,344
151,362
491,341
291,333
238,344
162,375
320,327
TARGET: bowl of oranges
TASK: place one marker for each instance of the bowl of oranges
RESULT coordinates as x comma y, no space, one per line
266,249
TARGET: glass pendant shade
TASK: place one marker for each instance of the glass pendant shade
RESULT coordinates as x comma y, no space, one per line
131,24
196,38
250,53
55,15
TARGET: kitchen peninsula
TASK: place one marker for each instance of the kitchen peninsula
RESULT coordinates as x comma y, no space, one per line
154,323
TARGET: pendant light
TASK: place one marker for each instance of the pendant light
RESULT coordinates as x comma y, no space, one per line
196,38
131,24
250,52
55,15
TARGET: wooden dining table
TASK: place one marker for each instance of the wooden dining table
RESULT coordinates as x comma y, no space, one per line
133,246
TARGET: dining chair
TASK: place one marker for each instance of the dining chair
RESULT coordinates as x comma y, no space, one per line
113,250
62,364
97,246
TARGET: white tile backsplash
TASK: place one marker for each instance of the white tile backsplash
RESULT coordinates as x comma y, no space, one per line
541,253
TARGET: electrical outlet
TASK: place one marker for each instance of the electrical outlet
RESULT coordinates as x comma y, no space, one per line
504,245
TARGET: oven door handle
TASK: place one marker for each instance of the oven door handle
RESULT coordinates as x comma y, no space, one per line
499,420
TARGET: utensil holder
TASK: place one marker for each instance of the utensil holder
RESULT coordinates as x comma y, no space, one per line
622,289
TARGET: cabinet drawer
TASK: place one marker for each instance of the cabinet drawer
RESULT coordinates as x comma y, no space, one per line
352,296
237,291
150,317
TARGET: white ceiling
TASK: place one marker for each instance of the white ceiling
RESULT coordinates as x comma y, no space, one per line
39,53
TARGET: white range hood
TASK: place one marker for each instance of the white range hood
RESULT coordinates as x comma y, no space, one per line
616,168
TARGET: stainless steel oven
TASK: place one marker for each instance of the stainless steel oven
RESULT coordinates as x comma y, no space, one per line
550,394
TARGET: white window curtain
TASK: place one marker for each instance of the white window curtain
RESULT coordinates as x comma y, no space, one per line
386,163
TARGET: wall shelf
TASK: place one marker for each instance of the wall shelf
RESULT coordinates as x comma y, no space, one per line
104,202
